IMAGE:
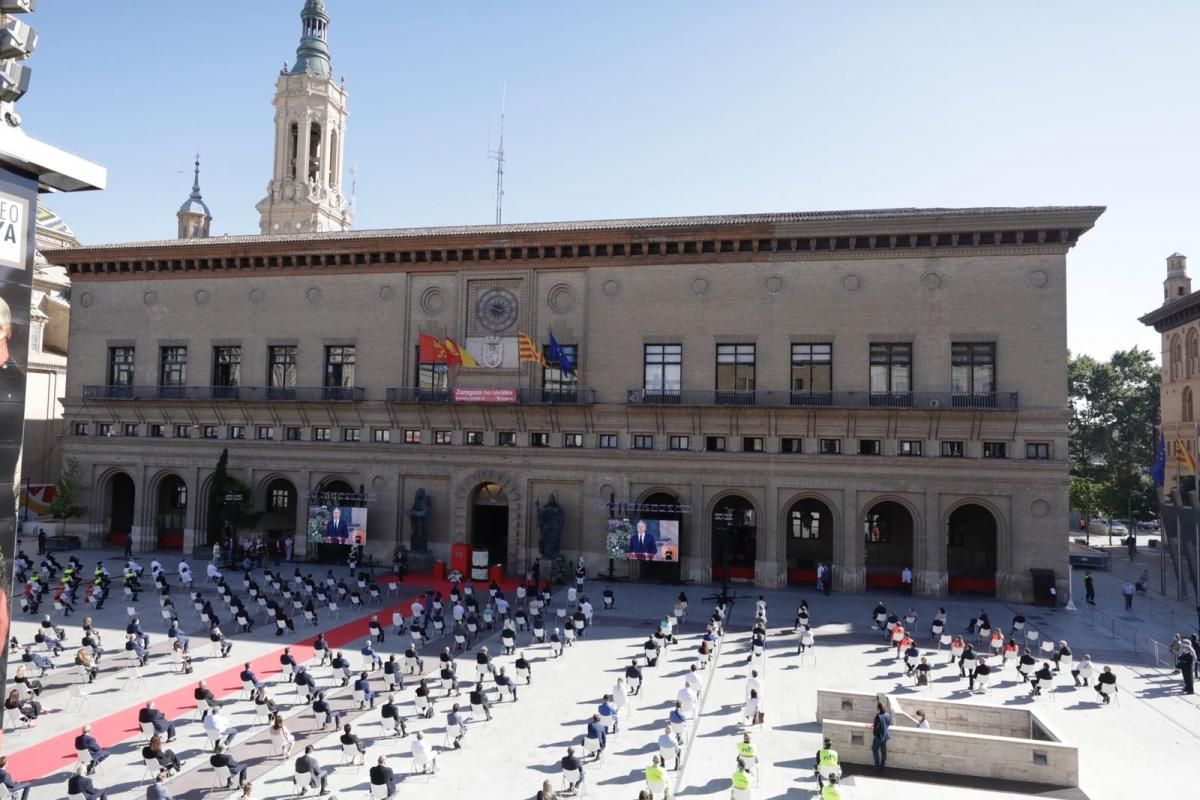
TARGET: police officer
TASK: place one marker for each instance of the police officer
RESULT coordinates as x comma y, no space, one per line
746,750
655,773
827,763
741,777
831,791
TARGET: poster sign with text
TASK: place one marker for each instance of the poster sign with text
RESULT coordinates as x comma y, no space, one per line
462,395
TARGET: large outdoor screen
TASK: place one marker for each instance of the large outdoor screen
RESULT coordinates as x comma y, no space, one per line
337,524
643,539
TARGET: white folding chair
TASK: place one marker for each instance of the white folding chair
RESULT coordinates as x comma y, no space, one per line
574,776
422,706
422,763
85,758
351,754
379,791
393,589
248,687
302,783
359,697
76,693
152,768
147,729
1047,647
221,777
334,610
12,720
591,747
1110,690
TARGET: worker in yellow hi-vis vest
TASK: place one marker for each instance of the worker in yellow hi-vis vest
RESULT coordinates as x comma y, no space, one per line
831,790
827,762
747,752
656,776
741,780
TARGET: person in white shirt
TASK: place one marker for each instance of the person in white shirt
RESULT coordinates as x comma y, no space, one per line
586,608
155,567
184,569
753,684
215,722
667,745
921,721
686,698
752,709
213,572
459,612
620,695
420,753
692,679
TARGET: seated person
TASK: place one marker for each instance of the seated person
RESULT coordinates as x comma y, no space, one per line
1106,678
307,765
381,775
573,767
165,758
1045,674
478,698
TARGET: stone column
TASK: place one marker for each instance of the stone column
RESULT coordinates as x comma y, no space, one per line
849,573
771,569
195,504
929,550
700,560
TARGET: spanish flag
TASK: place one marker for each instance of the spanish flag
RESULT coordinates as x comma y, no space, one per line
529,351
432,351
1183,459
457,354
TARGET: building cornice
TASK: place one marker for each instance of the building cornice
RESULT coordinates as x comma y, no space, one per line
752,238
1175,314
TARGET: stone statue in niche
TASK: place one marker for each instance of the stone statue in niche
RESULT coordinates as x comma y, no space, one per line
550,520
418,517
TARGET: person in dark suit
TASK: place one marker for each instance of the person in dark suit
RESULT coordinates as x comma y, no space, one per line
321,706
247,676
307,765
642,543
80,783
881,732
337,530
13,787
363,684
202,692
85,741
382,775
158,719
220,758
390,710
158,790
633,676
595,730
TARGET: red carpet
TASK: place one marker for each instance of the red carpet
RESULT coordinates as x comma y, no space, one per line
58,753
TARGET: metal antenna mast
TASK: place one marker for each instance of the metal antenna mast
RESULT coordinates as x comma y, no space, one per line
498,155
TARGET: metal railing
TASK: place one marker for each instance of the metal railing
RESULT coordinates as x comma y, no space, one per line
1001,401
302,394
569,397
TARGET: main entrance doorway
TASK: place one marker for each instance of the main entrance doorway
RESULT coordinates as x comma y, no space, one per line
489,522
734,538
888,531
971,550
809,531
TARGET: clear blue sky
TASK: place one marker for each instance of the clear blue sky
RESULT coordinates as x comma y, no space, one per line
659,108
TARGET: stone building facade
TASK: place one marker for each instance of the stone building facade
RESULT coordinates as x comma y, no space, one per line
1178,321
871,389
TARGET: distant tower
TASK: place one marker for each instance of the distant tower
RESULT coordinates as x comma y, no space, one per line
1177,284
194,218
305,191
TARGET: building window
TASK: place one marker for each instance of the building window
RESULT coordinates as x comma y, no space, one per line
1188,411
662,369
79,429
281,499
104,429
1176,358
791,444
643,441
208,432
433,379
442,437
870,447
830,447
995,450
172,369
1040,450
752,444
227,368
36,329
572,440
973,367
351,434
281,371
129,429
474,437
714,444
607,441
539,439
679,443
321,434
412,436
891,367
381,435
554,380
291,433
806,524
1192,350
156,430
506,438
120,366
264,433
183,431
735,368
237,432
952,449
339,371
909,447
812,367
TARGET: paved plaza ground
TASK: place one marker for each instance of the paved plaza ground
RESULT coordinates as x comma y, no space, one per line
1147,744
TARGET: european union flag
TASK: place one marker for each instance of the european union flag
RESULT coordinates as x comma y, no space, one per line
1159,468
559,355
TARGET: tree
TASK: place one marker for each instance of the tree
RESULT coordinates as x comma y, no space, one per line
220,513
66,492
1114,409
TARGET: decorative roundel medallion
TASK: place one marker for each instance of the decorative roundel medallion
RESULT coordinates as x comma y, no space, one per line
700,286
313,295
386,292
433,300
611,288
202,297
852,283
150,298
1037,279
1039,508
561,298
497,310
931,281
774,284
257,296
86,299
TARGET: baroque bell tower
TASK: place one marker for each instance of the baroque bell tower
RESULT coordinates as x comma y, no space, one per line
305,191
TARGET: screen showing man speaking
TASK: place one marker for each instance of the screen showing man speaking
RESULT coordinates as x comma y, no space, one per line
643,539
337,524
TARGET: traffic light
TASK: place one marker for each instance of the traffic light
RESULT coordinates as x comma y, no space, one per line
17,42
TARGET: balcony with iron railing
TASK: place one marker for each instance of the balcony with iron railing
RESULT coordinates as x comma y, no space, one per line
296,394
460,395
998,401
